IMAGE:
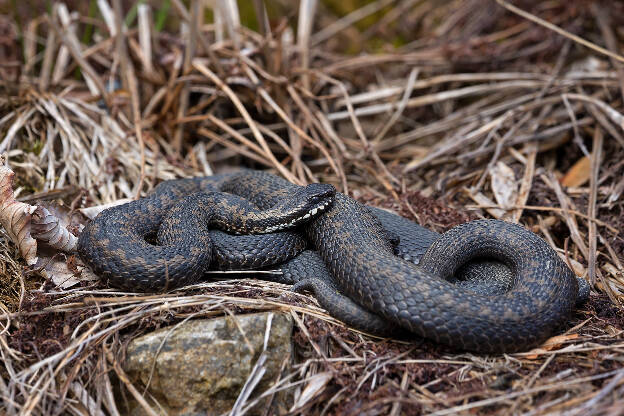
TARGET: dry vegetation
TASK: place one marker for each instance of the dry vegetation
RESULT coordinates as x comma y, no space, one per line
442,110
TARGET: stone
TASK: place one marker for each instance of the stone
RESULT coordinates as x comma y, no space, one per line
200,366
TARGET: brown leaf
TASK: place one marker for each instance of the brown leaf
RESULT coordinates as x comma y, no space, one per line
16,216
578,174
552,343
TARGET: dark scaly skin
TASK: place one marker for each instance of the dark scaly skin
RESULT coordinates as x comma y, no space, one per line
252,252
360,259
114,245
481,275
361,262
543,295
308,272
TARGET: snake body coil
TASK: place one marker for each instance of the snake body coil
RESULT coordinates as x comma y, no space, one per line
177,215
360,279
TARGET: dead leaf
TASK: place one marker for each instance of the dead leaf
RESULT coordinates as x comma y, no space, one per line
578,174
24,223
51,223
486,202
16,216
504,185
552,343
52,230
62,269
314,385
578,269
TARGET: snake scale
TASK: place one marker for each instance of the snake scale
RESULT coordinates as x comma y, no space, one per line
361,266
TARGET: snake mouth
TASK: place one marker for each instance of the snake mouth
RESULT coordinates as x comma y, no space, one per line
311,213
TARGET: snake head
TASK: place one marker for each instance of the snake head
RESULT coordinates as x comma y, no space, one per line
301,206
311,200
316,196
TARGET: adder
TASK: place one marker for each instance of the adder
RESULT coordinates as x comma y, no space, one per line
360,263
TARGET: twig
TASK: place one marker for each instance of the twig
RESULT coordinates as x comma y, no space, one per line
197,64
553,209
596,157
409,87
560,31
131,82
348,20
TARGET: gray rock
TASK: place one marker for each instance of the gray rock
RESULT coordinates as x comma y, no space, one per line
203,364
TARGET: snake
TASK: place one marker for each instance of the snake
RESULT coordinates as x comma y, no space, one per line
164,241
371,269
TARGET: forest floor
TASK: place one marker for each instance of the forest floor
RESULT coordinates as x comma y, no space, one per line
443,111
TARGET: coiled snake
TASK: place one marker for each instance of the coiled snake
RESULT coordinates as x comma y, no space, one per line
355,271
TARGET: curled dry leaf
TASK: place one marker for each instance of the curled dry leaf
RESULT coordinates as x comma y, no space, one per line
51,223
16,217
47,227
24,223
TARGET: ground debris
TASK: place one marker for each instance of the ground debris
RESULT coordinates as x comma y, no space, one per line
421,107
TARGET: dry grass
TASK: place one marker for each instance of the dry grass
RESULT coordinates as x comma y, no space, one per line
480,109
